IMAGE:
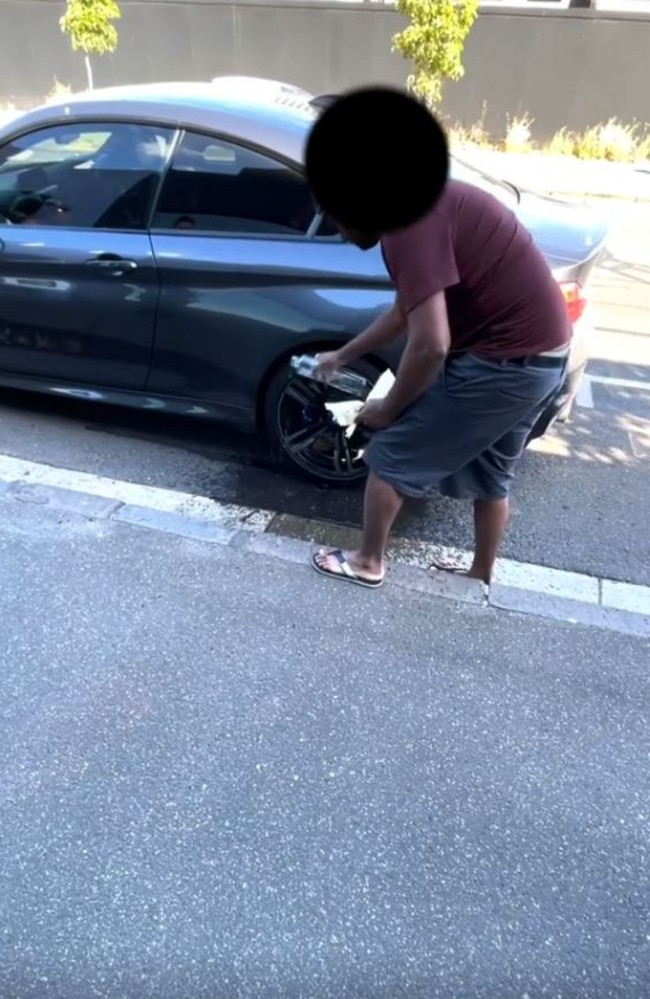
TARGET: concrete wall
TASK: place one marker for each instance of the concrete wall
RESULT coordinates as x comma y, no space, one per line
575,67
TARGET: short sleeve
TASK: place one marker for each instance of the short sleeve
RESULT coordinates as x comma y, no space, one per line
420,260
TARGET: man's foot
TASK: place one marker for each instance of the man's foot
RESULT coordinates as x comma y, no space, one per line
458,570
347,566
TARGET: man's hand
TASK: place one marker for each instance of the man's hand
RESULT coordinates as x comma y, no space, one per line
379,335
328,363
375,415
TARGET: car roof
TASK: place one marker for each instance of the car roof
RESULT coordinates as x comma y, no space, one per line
277,119
259,86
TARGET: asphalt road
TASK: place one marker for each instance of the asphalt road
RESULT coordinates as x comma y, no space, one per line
400,799
581,498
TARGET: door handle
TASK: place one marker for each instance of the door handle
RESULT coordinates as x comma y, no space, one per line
114,265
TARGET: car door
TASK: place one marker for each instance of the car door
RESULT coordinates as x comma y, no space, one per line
78,281
242,279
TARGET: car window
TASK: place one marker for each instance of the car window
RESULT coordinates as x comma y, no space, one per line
215,186
51,146
89,176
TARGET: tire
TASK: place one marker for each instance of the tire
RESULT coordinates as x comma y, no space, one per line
302,434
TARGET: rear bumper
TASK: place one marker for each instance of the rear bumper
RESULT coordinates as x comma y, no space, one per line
581,346
582,342
563,405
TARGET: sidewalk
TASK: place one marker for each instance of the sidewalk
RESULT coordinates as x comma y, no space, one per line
225,777
563,175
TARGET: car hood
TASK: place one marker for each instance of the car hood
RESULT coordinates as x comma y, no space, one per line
565,231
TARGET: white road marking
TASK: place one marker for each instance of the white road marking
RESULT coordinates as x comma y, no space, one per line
551,582
511,575
584,395
131,493
633,384
627,597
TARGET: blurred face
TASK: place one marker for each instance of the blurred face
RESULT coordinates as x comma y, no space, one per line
364,240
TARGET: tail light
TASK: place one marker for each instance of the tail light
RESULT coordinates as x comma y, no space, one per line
575,299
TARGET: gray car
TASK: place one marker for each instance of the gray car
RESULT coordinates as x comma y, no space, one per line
160,249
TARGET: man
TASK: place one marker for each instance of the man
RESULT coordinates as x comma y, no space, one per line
488,337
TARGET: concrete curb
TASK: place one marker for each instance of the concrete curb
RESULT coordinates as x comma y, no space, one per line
520,587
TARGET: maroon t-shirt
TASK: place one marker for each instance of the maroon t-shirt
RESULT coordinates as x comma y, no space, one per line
502,299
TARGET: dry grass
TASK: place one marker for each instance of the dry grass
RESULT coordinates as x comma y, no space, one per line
475,135
612,141
519,137
58,91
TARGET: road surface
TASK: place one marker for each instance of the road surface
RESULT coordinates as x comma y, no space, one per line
224,777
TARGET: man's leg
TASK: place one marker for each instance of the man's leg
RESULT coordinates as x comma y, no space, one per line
418,452
490,522
487,478
380,508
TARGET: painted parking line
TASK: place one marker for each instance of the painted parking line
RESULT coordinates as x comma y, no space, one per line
633,384
585,394
521,587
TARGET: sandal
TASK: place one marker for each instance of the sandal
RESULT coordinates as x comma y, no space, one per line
459,570
345,572
456,570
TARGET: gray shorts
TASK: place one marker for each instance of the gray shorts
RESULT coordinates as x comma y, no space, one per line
466,433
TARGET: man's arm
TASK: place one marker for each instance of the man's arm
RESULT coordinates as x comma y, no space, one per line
424,355
379,334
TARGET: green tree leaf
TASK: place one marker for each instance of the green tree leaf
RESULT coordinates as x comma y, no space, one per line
89,25
433,42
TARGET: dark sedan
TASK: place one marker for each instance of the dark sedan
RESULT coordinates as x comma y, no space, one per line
159,248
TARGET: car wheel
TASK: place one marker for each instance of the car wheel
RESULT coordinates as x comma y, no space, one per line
304,433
